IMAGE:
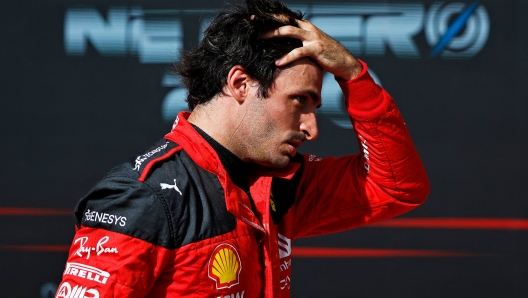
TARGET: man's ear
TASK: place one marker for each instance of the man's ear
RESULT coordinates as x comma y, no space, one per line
238,83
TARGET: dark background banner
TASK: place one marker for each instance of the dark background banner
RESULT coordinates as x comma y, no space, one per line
86,84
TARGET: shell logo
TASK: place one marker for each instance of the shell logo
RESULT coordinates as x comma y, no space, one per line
225,266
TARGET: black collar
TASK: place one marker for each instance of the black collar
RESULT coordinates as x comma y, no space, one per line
236,168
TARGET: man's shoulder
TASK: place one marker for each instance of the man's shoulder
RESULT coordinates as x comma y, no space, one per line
148,197
129,199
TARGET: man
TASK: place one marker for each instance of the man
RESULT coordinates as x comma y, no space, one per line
212,208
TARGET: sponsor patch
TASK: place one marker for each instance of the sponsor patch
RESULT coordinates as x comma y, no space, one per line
98,249
140,159
225,266
285,265
284,246
236,295
314,158
67,291
92,215
285,283
366,153
86,272
171,186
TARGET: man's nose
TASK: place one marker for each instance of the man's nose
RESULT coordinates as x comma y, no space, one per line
309,126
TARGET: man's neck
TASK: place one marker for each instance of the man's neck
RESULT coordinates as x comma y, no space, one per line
219,121
236,168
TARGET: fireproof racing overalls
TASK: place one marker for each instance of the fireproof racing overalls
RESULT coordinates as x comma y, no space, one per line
172,222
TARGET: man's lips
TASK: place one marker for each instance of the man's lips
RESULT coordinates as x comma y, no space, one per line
295,143
292,145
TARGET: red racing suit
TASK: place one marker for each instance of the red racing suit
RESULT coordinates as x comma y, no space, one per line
171,222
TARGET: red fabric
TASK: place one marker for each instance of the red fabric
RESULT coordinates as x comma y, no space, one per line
154,161
365,99
136,268
132,265
386,179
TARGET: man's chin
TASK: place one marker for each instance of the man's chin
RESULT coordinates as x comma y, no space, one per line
276,163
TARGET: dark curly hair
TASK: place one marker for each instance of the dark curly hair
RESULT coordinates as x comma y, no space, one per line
233,38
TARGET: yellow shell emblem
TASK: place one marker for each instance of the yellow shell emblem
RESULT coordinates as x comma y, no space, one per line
225,266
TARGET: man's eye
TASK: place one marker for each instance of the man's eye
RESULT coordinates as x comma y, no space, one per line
301,98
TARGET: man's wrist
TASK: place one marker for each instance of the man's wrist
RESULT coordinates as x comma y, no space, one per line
352,71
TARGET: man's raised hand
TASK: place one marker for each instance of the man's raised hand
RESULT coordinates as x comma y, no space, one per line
329,53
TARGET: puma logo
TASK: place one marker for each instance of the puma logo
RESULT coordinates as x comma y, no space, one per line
169,186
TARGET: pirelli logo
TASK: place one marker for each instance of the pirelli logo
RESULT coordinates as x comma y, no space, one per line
87,272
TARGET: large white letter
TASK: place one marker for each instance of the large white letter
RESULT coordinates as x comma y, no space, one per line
394,29
107,37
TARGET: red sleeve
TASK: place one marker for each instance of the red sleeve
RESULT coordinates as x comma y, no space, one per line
385,180
103,263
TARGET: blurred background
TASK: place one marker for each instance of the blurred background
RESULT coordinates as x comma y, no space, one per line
84,84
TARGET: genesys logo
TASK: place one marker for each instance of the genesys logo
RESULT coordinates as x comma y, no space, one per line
92,215
77,291
225,266
86,272
99,249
